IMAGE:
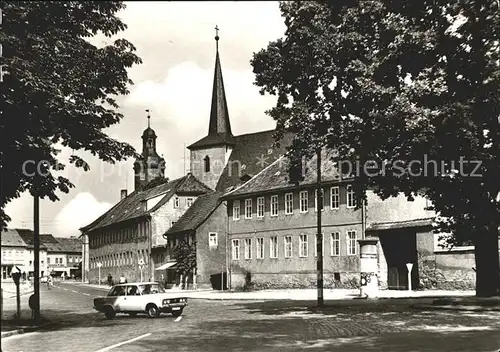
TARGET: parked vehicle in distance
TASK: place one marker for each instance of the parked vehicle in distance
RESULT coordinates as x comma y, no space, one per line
44,279
140,297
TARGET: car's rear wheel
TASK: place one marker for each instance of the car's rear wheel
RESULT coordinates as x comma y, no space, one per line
109,313
153,311
177,313
132,314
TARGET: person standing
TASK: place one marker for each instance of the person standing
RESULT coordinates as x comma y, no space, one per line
122,279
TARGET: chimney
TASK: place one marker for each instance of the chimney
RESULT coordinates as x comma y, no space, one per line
123,194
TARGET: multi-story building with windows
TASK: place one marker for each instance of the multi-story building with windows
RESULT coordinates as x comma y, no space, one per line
273,224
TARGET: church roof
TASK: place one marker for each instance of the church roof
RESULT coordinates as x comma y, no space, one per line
275,176
201,209
219,128
252,153
134,205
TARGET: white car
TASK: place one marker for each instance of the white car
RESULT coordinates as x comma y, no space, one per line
140,297
44,279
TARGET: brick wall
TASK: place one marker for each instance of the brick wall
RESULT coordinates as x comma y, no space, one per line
211,260
218,159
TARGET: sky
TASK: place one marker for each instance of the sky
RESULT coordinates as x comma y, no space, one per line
176,43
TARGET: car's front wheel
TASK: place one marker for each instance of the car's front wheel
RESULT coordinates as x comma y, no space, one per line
109,313
153,311
177,313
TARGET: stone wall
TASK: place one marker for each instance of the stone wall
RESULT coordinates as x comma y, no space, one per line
241,280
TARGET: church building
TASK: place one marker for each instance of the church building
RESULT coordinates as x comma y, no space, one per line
127,239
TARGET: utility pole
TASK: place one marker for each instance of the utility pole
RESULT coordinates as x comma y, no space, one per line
36,250
319,235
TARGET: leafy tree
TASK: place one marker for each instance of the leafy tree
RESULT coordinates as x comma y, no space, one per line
185,257
412,87
60,88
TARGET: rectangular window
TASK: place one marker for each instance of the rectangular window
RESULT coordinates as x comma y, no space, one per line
288,203
248,208
316,245
189,202
236,210
351,200
274,205
288,246
176,202
248,248
351,243
303,246
335,244
303,196
334,197
212,239
236,249
260,248
260,207
273,247
316,199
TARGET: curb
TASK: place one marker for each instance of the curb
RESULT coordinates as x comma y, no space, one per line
456,308
23,330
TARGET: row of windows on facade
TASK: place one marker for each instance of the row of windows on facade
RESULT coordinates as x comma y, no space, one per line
118,259
60,260
303,203
303,243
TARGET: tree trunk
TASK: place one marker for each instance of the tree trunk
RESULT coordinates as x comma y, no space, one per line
487,263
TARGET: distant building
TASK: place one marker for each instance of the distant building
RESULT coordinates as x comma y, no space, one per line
28,237
15,254
63,254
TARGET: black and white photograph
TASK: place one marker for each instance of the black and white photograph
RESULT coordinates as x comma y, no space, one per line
250,176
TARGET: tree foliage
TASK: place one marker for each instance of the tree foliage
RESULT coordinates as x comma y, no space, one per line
60,89
185,257
399,83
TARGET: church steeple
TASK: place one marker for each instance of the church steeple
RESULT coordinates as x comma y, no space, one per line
219,128
150,165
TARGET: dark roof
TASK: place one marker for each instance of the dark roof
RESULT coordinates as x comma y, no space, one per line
219,129
378,226
197,213
28,237
133,206
50,243
11,238
275,176
252,153
70,244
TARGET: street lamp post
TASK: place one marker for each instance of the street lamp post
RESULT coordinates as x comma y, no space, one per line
319,241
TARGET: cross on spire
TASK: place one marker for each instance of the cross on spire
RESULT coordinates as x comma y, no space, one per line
217,37
149,117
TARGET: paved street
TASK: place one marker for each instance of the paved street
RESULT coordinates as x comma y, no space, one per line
256,326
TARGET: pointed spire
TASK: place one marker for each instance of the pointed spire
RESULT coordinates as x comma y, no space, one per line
219,115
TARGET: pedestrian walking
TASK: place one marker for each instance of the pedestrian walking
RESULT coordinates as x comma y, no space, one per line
110,280
123,280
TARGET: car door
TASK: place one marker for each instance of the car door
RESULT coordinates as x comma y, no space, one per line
132,300
118,298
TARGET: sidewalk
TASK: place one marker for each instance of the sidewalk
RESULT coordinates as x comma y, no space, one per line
300,294
11,326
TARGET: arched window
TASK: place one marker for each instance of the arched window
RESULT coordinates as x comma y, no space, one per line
207,163
150,143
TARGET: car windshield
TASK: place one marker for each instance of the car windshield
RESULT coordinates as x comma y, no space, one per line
147,289
117,291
